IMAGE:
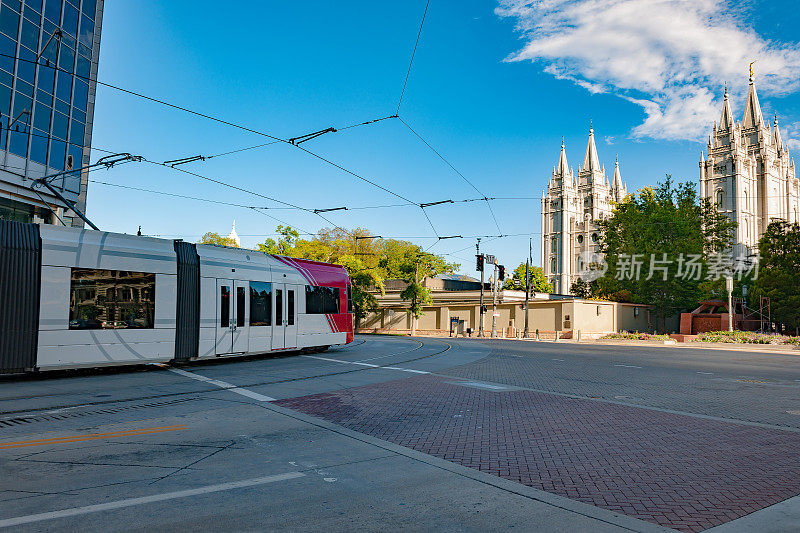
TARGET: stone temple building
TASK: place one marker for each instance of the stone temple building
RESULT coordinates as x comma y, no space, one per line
571,207
749,174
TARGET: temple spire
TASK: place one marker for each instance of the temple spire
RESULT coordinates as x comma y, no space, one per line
563,166
776,135
617,187
752,109
726,120
591,161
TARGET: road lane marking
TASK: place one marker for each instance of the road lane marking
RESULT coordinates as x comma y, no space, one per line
367,364
223,385
706,373
90,436
628,366
405,369
557,359
130,502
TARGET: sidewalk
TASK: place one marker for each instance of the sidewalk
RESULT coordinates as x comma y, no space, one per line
753,348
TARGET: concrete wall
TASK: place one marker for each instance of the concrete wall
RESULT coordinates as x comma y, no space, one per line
627,319
592,318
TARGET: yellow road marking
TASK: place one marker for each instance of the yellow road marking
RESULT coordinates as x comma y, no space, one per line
90,436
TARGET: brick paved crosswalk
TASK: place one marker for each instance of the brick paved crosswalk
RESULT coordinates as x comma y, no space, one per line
678,471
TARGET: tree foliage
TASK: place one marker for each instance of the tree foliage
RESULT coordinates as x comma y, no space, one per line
779,250
538,280
581,289
284,245
660,224
219,240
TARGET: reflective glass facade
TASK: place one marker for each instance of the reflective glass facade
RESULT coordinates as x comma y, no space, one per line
48,54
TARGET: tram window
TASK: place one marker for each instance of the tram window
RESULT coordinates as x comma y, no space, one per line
290,305
260,303
278,307
240,307
349,299
224,306
111,299
322,300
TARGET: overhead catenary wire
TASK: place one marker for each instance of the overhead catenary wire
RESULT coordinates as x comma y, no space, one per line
150,98
413,53
435,151
246,128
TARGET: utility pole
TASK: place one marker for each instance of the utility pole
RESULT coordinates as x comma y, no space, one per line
494,301
480,328
414,299
729,286
527,292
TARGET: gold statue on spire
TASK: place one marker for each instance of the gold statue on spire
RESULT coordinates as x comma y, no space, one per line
751,68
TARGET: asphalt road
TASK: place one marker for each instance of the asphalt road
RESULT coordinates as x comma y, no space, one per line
393,433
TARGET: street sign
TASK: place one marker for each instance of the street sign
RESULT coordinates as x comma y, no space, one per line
495,314
490,259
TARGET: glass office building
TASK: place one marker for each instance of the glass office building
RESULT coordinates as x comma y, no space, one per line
48,59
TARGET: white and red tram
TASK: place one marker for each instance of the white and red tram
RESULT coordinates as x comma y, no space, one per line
80,298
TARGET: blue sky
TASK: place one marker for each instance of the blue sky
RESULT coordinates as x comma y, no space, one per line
494,87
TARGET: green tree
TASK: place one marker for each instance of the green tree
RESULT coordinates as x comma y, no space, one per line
216,238
779,250
538,280
661,224
414,266
581,289
284,245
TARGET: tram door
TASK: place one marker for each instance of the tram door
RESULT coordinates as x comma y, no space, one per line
233,335
284,335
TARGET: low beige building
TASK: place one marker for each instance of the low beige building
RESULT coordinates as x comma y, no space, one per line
456,308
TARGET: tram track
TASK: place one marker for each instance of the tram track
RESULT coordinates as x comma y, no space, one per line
41,414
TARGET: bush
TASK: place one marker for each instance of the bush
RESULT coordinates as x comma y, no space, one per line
746,337
637,336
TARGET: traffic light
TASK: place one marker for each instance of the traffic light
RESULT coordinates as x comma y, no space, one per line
484,309
479,266
501,272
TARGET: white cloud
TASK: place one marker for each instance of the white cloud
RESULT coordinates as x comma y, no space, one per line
791,135
671,57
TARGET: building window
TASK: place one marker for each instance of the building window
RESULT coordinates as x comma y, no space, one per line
240,306
290,307
112,299
580,239
260,303
595,238
322,300
553,264
17,211
554,244
720,198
